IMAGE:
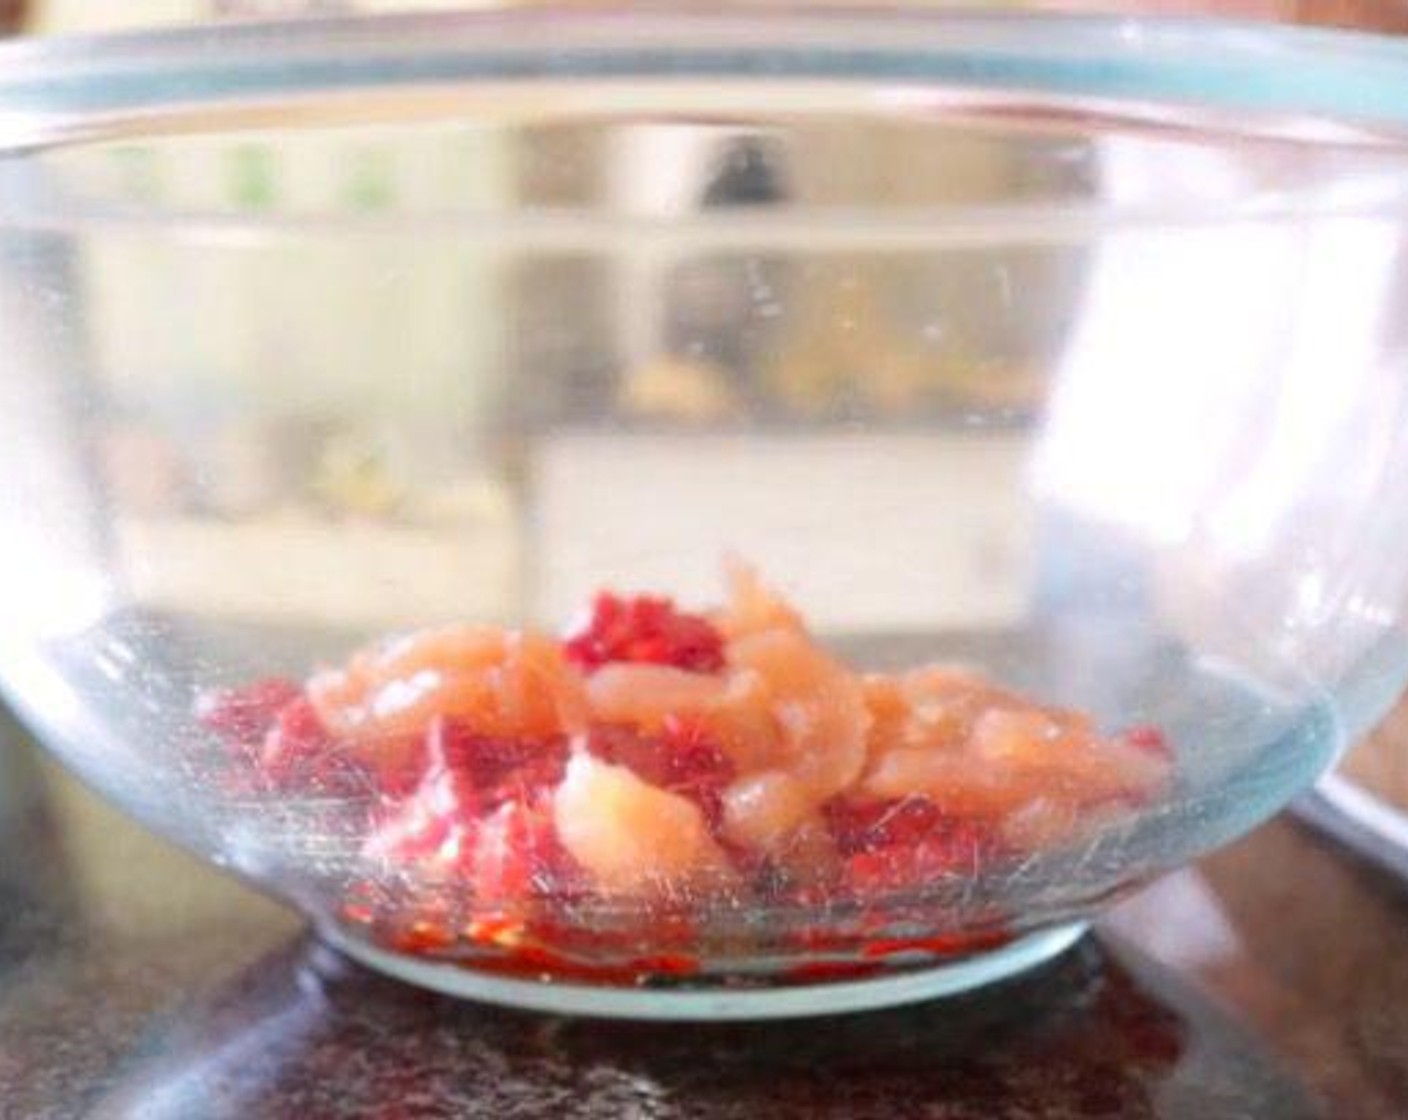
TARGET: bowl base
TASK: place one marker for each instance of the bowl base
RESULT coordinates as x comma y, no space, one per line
717,1004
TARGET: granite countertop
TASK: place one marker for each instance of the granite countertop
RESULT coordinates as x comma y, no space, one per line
1269,981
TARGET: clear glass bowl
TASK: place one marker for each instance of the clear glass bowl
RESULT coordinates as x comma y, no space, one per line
1069,351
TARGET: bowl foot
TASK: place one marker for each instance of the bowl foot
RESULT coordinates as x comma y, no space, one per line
699,1004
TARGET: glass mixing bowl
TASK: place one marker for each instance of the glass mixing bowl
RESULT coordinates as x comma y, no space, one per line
703,516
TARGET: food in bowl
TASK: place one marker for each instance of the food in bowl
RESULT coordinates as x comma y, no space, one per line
1024,353
675,764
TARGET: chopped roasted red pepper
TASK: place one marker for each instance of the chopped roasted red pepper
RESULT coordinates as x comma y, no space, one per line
951,847
864,826
497,768
1149,738
298,750
645,629
682,758
243,715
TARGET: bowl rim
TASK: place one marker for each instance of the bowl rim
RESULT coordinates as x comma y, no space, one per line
1242,82
1285,71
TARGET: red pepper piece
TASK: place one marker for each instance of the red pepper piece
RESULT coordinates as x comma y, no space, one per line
864,826
242,716
1149,738
956,846
433,831
497,768
683,759
518,857
298,751
645,629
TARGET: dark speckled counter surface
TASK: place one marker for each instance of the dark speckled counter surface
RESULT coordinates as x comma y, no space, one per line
1269,981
